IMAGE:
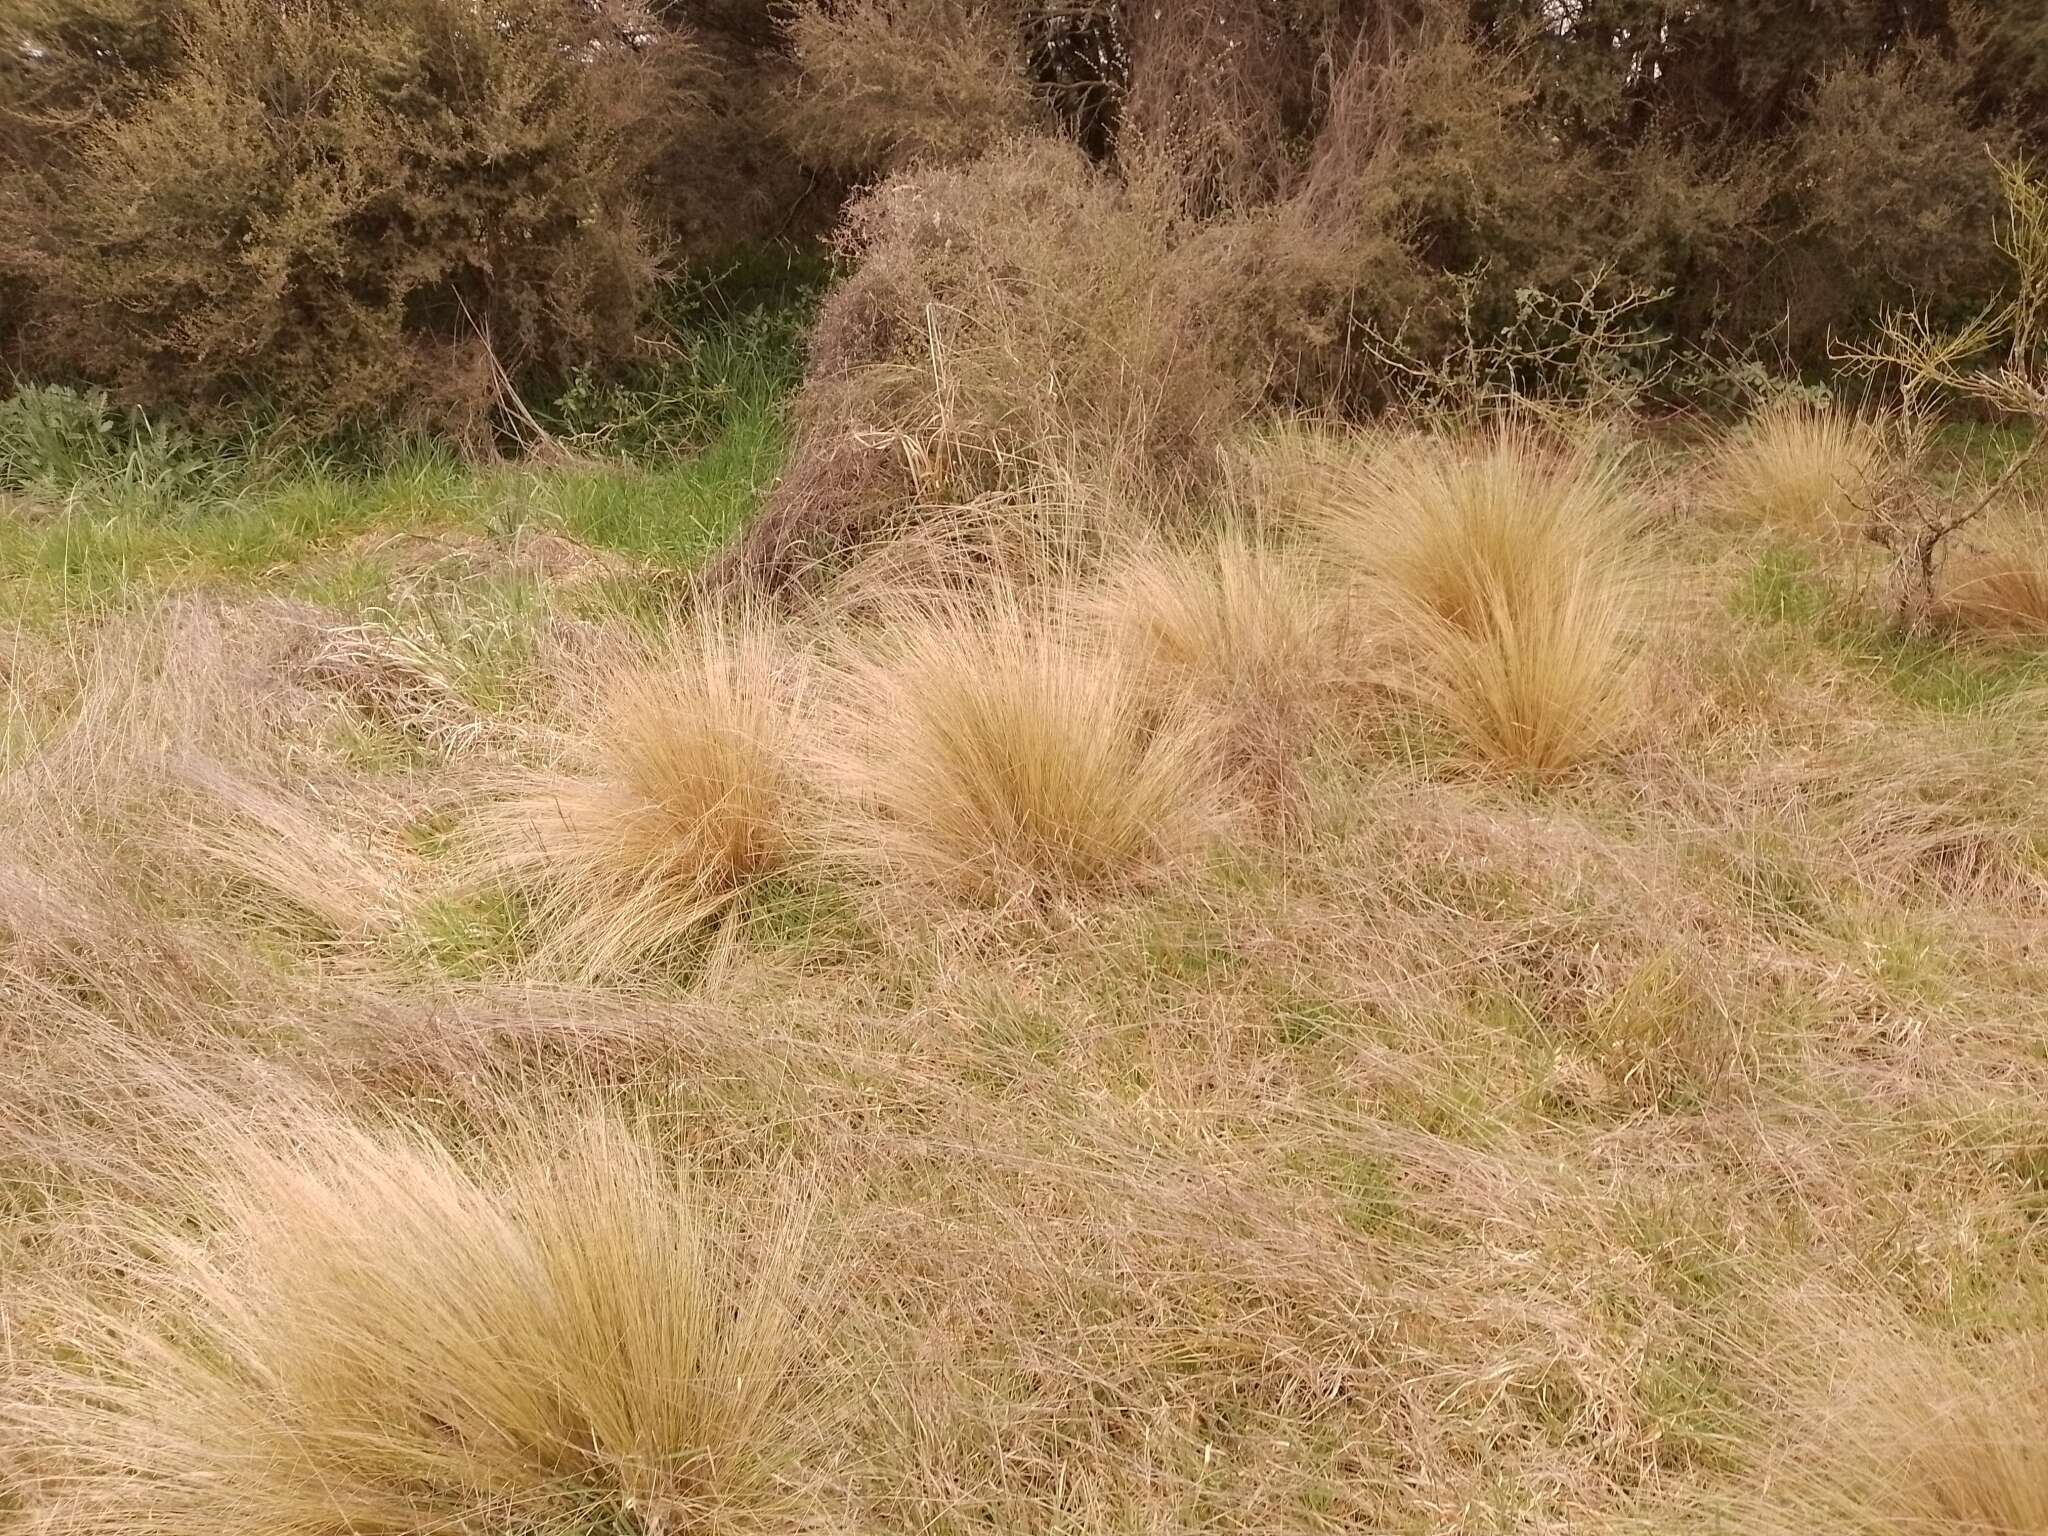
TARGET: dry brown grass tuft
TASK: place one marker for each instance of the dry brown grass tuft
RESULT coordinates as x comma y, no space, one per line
186,753
370,1335
1008,755
1502,575
1915,1433
2001,594
1246,634
1224,613
1804,468
682,791
1955,1444
394,681
2002,587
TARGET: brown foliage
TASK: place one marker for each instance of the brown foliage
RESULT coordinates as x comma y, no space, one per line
346,209
1023,306
889,84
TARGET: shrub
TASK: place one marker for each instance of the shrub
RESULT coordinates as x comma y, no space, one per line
885,85
354,212
1230,90
1010,310
374,1336
1897,195
1500,572
63,62
999,754
1797,465
681,792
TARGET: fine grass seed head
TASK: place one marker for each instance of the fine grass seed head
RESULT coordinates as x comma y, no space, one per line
1799,467
368,1334
1009,756
1500,572
683,791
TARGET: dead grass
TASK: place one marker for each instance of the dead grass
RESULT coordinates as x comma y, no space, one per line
1469,1159
1245,634
368,1335
682,790
1503,577
1913,1433
1998,587
1801,468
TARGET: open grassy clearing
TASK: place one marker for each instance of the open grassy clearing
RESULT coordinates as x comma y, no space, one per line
1476,984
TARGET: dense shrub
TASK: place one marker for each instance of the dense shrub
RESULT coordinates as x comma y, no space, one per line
1020,309
354,211
329,207
724,177
1741,157
1897,195
888,84
1131,315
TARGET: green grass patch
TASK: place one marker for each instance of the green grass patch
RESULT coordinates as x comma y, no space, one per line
1933,671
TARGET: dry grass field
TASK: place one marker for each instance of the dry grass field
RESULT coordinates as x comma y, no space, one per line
1484,986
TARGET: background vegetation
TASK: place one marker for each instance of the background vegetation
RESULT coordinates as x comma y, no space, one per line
970,767
395,214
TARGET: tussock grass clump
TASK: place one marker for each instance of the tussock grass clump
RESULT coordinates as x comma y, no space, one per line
1965,1439
1919,1435
378,1337
1797,466
2001,588
1223,613
1009,756
681,792
1502,575
2001,593
1245,633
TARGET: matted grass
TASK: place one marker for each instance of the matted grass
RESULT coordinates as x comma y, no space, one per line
1651,1147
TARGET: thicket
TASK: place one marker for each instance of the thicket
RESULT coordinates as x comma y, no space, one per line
406,209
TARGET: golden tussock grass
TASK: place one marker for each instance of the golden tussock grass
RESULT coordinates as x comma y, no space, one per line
2004,593
1007,754
1913,1432
1243,633
1803,468
1503,579
1228,613
684,788
1472,1158
360,1332
2000,586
